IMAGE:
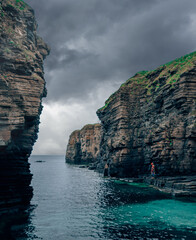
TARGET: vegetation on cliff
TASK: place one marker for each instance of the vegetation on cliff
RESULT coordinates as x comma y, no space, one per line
151,117
152,81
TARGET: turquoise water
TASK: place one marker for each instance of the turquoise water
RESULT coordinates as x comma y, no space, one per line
165,212
73,203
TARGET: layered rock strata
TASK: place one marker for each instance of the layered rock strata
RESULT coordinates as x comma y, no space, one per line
83,146
152,118
22,88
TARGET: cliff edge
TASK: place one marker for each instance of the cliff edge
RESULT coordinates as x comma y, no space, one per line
152,118
22,88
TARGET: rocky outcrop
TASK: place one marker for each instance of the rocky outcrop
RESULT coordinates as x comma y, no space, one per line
179,186
83,146
22,88
152,118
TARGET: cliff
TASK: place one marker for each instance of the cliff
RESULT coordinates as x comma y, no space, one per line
83,146
22,88
152,118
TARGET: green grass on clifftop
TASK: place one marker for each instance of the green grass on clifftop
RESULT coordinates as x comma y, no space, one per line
171,72
18,4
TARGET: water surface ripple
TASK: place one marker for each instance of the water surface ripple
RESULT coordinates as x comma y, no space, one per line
73,203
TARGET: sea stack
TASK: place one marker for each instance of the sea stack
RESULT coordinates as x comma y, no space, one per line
22,87
83,146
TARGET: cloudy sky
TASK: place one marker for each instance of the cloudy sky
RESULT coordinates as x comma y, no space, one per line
95,46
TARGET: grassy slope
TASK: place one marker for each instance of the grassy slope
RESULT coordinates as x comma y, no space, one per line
170,71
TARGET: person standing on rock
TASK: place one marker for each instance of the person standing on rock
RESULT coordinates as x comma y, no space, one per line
106,170
152,169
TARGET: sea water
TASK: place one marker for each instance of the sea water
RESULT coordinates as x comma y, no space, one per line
73,203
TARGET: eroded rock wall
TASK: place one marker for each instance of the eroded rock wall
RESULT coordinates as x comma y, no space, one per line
152,117
22,87
83,146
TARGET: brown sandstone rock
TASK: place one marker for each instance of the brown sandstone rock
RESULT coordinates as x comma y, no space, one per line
22,87
152,117
83,146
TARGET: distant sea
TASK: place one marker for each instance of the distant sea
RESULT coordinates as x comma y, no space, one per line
72,203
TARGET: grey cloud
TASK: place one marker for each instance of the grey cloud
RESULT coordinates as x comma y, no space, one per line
95,46
68,57
120,38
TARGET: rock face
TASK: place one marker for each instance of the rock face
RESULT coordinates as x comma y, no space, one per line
22,87
83,146
152,117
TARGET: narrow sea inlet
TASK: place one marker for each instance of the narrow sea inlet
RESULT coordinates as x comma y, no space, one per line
71,203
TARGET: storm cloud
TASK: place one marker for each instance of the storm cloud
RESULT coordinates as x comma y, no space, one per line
98,44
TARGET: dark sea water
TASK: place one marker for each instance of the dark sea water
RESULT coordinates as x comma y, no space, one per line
73,203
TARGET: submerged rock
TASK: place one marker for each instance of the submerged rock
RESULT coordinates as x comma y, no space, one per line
180,186
22,87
